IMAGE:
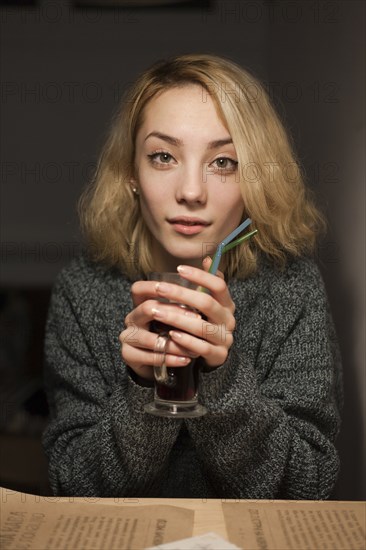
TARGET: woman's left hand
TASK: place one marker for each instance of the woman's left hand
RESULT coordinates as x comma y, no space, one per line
212,338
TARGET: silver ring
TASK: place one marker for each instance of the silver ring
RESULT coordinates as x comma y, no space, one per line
160,368
160,350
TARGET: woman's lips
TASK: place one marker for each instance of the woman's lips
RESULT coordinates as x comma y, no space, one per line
187,225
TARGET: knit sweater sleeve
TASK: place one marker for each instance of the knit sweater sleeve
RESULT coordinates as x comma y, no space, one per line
274,406
99,442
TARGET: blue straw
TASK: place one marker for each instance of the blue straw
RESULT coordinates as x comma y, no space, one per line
220,248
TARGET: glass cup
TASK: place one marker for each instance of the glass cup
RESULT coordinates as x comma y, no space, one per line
176,388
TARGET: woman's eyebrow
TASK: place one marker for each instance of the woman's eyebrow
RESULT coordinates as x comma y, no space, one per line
178,142
165,137
219,143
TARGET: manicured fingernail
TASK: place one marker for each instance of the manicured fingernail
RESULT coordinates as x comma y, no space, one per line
162,288
192,314
175,334
184,359
184,269
156,312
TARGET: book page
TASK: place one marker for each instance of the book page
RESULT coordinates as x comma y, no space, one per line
38,523
290,525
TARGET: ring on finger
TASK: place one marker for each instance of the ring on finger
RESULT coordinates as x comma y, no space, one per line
160,350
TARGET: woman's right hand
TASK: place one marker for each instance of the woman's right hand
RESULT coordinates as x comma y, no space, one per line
138,342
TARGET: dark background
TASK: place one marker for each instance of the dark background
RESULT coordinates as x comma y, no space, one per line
63,69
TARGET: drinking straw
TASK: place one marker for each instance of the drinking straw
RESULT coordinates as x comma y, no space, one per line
224,246
240,240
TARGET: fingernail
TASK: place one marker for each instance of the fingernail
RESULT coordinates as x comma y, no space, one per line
175,334
185,270
161,288
184,359
192,314
156,312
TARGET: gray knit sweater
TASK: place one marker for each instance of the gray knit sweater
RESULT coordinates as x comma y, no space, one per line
273,407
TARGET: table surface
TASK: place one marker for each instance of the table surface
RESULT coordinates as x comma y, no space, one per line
208,513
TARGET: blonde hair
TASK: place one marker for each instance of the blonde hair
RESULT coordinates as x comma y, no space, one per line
269,175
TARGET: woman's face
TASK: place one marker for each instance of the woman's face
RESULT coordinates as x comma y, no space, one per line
187,176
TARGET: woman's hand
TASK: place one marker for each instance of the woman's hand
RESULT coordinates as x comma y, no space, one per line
192,336
212,338
138,342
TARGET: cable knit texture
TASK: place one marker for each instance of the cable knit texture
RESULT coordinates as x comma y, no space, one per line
273,407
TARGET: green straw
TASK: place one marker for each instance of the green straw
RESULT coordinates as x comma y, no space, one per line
240,240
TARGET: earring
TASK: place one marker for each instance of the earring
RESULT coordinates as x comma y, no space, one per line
135,190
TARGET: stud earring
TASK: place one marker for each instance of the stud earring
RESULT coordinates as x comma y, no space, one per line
135,190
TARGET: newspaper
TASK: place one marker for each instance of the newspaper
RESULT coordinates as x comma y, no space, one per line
207,541
37,523
296,525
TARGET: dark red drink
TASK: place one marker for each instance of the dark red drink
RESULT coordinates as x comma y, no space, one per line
182,382
182,385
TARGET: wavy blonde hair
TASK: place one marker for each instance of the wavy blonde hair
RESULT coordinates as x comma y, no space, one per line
269,174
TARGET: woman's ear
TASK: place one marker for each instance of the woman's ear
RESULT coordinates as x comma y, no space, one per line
134,187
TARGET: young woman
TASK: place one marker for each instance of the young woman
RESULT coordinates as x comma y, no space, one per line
195,148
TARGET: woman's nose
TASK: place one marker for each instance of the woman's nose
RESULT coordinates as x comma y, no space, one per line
192,186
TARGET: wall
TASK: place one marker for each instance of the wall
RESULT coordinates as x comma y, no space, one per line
63,71
317,67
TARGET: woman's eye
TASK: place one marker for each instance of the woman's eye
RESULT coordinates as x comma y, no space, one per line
225,164
160,158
